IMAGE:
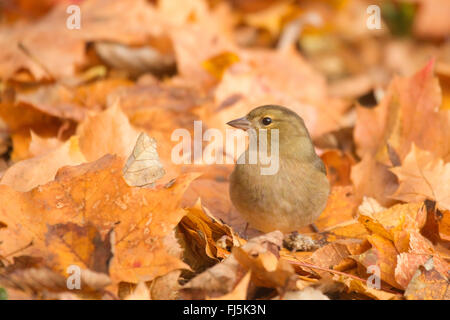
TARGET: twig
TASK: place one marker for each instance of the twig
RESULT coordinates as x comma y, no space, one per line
18,250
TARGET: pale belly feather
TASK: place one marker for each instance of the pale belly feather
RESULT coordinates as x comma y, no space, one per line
285,201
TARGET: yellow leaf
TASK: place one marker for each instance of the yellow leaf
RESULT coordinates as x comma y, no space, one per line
217,64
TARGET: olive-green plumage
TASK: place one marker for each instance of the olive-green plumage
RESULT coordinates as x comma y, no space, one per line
297,193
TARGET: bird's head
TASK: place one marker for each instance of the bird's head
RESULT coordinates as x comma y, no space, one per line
272,117
293,135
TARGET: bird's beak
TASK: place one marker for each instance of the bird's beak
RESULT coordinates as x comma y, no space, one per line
241,123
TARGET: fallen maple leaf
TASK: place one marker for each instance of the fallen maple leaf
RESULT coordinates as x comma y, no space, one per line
143,219
340,209
373,179
69,246
409,113
107,132
423,176
387,222
30,173
338,166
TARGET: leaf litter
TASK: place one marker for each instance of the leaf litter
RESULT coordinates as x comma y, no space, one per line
87,178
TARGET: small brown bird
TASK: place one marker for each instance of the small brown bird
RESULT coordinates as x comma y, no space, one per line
297,193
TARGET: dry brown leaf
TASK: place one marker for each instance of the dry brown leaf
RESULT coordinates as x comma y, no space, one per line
20,120
423,176
428,284
409,113
239,292
341,207
331,256
207,238
107,132
261,256
354,285
55,100
217,281
166,286
135,61
39,145
384,255
338,166
389,221
141,292
28,174
373,179
143,219
420,250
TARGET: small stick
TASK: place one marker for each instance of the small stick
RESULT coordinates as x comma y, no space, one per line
314,228
18,250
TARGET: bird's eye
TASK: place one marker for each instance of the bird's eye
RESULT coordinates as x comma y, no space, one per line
266,121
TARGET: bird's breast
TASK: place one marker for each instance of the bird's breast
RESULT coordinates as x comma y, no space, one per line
292,197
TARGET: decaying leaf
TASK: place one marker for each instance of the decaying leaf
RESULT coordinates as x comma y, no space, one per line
143,167
428,284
